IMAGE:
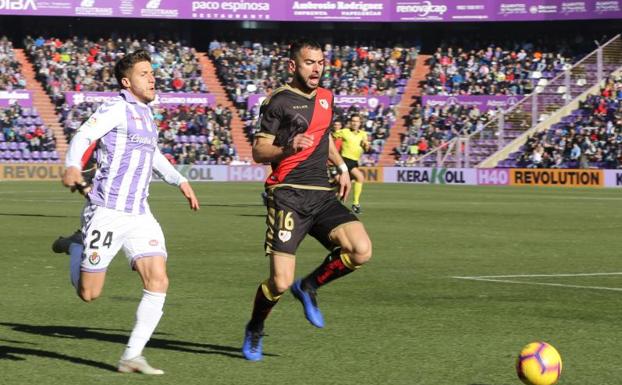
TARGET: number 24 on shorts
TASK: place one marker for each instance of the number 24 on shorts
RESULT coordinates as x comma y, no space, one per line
96,234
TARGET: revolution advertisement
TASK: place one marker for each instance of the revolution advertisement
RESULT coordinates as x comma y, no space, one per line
404,175
324,10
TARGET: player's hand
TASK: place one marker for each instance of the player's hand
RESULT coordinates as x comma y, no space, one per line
188,192
83,188
302,142
344,186
73,178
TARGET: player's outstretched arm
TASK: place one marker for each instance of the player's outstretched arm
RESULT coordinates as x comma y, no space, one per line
188,192
344,179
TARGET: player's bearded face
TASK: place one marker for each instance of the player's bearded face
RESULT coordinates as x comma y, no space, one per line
308,67
142,82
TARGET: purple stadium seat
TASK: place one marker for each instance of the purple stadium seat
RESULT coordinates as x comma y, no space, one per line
4,146
6,155
202,139
35,156
16,155
54,155
22,145
1,137
192,139
45,155
13,146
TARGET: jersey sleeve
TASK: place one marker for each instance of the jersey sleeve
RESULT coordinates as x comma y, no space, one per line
339,134
270,117
105,119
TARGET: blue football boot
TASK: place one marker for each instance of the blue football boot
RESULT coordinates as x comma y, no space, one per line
307,297
252,347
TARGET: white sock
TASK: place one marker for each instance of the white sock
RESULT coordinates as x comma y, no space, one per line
148,316
75,259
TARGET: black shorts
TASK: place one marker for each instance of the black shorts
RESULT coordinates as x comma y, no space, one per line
352,164
294,213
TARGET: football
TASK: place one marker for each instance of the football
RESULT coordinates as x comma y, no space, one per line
539,364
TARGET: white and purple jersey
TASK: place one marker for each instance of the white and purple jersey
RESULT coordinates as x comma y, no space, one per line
126,154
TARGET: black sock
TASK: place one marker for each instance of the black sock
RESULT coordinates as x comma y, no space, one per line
334,266
261,308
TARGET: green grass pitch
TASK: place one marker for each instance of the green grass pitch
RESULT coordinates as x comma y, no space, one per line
402,319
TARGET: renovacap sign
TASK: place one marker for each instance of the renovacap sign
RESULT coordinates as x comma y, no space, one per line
420,175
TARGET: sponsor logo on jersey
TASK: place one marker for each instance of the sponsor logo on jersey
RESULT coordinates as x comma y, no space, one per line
153,242
324,103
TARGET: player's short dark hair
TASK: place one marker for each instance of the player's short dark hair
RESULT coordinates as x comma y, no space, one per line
355,115
299,44
123,66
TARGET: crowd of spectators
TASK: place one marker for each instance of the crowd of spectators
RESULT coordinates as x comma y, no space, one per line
189,134
430,127
494,69
22,132
477,68
10,69
258,68
79,64
590,137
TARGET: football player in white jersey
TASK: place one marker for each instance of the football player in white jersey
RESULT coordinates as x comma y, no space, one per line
116,214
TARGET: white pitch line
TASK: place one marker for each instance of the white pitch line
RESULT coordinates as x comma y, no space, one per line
542,275
540,283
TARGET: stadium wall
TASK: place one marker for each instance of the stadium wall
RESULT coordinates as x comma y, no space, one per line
405,175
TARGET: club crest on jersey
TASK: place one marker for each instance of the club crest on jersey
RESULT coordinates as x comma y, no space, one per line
153,242
324,103
94,258
285,235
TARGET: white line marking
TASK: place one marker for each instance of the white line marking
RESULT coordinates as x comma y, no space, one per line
540,275
540,283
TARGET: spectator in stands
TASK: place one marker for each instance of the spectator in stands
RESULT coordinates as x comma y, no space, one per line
505,69
78,64
10,69
590,137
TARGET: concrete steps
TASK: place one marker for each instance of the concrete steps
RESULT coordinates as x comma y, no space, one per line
411,90
208,73
42,103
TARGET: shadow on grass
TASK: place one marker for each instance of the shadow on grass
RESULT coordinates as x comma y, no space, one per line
233,205
478,383
14,354
109,335
36,215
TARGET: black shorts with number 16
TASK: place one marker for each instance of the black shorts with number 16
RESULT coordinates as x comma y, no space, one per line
294,213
